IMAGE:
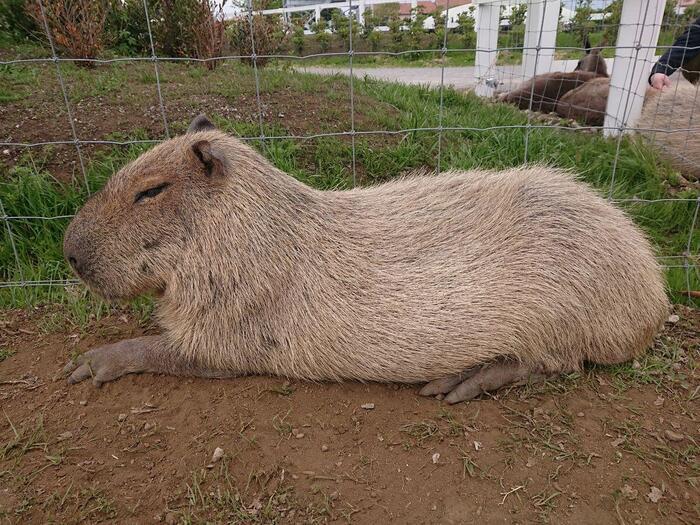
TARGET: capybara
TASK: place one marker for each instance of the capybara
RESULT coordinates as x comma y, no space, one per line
586,103
467,280
546,89
675,108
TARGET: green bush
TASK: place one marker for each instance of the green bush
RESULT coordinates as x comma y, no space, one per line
15,23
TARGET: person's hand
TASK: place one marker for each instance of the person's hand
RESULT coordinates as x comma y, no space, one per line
660,81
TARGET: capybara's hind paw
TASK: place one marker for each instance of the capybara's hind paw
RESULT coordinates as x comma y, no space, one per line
106,363
476,381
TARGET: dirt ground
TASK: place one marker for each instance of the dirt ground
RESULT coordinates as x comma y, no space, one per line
611,445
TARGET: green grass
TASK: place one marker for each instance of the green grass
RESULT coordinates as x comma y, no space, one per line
16,82
28,188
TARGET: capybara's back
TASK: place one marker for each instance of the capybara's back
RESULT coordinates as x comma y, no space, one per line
586,103
527,264
676,108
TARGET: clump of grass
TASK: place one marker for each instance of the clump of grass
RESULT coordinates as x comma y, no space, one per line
5,353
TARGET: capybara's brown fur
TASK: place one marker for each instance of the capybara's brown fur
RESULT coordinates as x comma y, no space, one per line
586,103
594,62
547,89
542,92
407,281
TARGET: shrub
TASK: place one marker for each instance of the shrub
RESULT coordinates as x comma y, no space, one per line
267,32
465,25
126,28
322,38
76,27
208,32
395,24
15,22
298,39
374,39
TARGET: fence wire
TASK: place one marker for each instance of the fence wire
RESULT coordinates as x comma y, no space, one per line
538,56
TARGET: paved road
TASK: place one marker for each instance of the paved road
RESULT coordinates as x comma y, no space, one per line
457,77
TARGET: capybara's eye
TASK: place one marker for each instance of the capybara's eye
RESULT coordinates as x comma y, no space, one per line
150,192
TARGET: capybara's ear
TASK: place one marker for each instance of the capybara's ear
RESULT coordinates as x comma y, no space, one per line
200,123
211,158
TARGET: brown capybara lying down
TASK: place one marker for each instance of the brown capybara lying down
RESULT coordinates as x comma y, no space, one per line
467,280
586,103
546,89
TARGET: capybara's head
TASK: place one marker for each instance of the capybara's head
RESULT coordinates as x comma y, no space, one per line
130,236
593,62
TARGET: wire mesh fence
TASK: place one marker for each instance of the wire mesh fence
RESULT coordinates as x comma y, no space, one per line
515,44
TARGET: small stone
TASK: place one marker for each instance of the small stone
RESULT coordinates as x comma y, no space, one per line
436,458
580,414
619,441
659,401
440,397
83,403
477,445
655,494
6,152
300,435
324,448
530,462
171,518
673,319
636,365
149,426
65,435
673,436
367,406
629,493
218,454
122,417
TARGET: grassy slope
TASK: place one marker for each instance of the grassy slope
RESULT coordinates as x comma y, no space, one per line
28,189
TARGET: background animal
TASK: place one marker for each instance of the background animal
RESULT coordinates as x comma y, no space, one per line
469,280
547,89
586,103
676,108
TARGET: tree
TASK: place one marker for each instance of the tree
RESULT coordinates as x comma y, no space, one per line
322,38
298,38
517,15
465,26
612,22
581,22
395,24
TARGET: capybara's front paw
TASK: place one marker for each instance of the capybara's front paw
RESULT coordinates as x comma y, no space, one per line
107,363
